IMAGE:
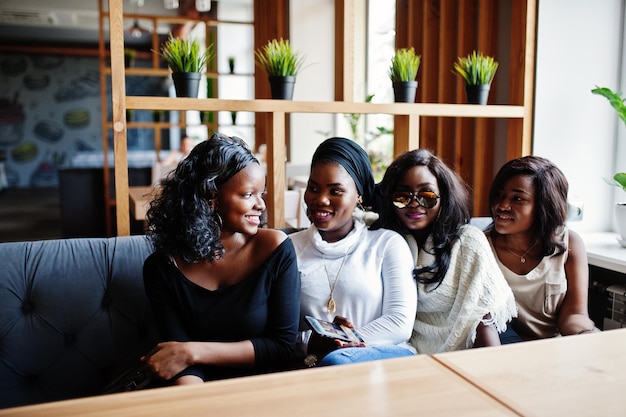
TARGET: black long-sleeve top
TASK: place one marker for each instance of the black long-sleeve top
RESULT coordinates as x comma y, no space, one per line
263,308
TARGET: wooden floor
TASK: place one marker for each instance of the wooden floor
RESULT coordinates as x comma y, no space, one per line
29,214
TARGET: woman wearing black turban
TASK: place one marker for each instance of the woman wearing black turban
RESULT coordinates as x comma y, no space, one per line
351,275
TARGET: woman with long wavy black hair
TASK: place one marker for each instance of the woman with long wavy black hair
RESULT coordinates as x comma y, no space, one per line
225,292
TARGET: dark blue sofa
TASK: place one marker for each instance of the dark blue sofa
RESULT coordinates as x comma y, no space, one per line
73,314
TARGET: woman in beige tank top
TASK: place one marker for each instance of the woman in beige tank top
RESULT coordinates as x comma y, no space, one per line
543,261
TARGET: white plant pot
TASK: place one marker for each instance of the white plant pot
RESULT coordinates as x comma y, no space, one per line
620,221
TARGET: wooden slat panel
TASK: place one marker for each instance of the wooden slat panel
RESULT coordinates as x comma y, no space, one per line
464,135
276,184
345,50
484,133
118,96
446,92
102,52
433,27
516,85
271,21
430,24
406,133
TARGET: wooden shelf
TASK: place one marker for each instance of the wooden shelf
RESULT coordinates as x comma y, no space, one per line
404,138
407,117
339,107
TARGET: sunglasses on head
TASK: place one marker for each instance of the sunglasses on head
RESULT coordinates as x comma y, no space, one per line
426,199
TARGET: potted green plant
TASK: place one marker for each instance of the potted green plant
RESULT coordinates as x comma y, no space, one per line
231,64
403,71
478,71
619,179
282,64
129,57
187,59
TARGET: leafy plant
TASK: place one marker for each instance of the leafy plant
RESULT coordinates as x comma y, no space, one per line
404,65
185,55
129,56
278,58
476,68
130,53
617,102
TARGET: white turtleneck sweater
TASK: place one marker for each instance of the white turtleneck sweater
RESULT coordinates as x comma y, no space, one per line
375,289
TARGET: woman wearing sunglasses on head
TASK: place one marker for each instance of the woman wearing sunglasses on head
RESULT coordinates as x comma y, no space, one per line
463,300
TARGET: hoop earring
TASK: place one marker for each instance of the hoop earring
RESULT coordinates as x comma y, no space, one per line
359,203
219,220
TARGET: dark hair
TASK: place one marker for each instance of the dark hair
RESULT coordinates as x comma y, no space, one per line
182,219
453,208
550,198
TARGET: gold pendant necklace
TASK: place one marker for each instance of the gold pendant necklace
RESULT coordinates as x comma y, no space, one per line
522,258
330,306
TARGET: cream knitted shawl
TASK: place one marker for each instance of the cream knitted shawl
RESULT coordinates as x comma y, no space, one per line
447,316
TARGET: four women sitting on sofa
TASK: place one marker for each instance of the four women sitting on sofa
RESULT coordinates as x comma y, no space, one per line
228,296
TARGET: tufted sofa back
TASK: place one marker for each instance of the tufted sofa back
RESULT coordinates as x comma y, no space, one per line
73,314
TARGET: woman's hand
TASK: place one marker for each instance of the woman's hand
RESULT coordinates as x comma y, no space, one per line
486,334
167,359
342,321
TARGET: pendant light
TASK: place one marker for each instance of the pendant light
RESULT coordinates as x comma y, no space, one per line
136,31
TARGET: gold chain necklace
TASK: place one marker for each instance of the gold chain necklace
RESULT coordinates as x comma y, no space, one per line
522,258
330,306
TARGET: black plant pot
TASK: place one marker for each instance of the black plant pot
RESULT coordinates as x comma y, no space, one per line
186,84
477,94
129,61
282,87
404,91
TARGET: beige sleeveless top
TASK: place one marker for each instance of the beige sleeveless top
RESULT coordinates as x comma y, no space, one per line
538,294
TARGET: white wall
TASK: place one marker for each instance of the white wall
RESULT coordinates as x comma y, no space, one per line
579,46
312,33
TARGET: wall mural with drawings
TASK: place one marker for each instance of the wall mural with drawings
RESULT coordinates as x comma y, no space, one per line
50,110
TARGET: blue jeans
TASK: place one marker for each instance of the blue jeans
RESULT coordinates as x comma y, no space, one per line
509,335
349,355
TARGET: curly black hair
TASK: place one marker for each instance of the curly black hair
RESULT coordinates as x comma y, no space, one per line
551,188
182,219
454,209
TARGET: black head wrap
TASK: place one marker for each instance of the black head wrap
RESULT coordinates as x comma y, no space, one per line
354,159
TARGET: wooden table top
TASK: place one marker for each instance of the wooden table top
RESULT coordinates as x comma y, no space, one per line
581,375
411,386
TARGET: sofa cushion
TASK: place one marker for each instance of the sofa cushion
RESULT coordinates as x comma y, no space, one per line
73,314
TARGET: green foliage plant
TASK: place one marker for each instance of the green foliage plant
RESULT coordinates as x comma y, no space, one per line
404,65
185,55
129,57
278,58
130,53
617,102
476,68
